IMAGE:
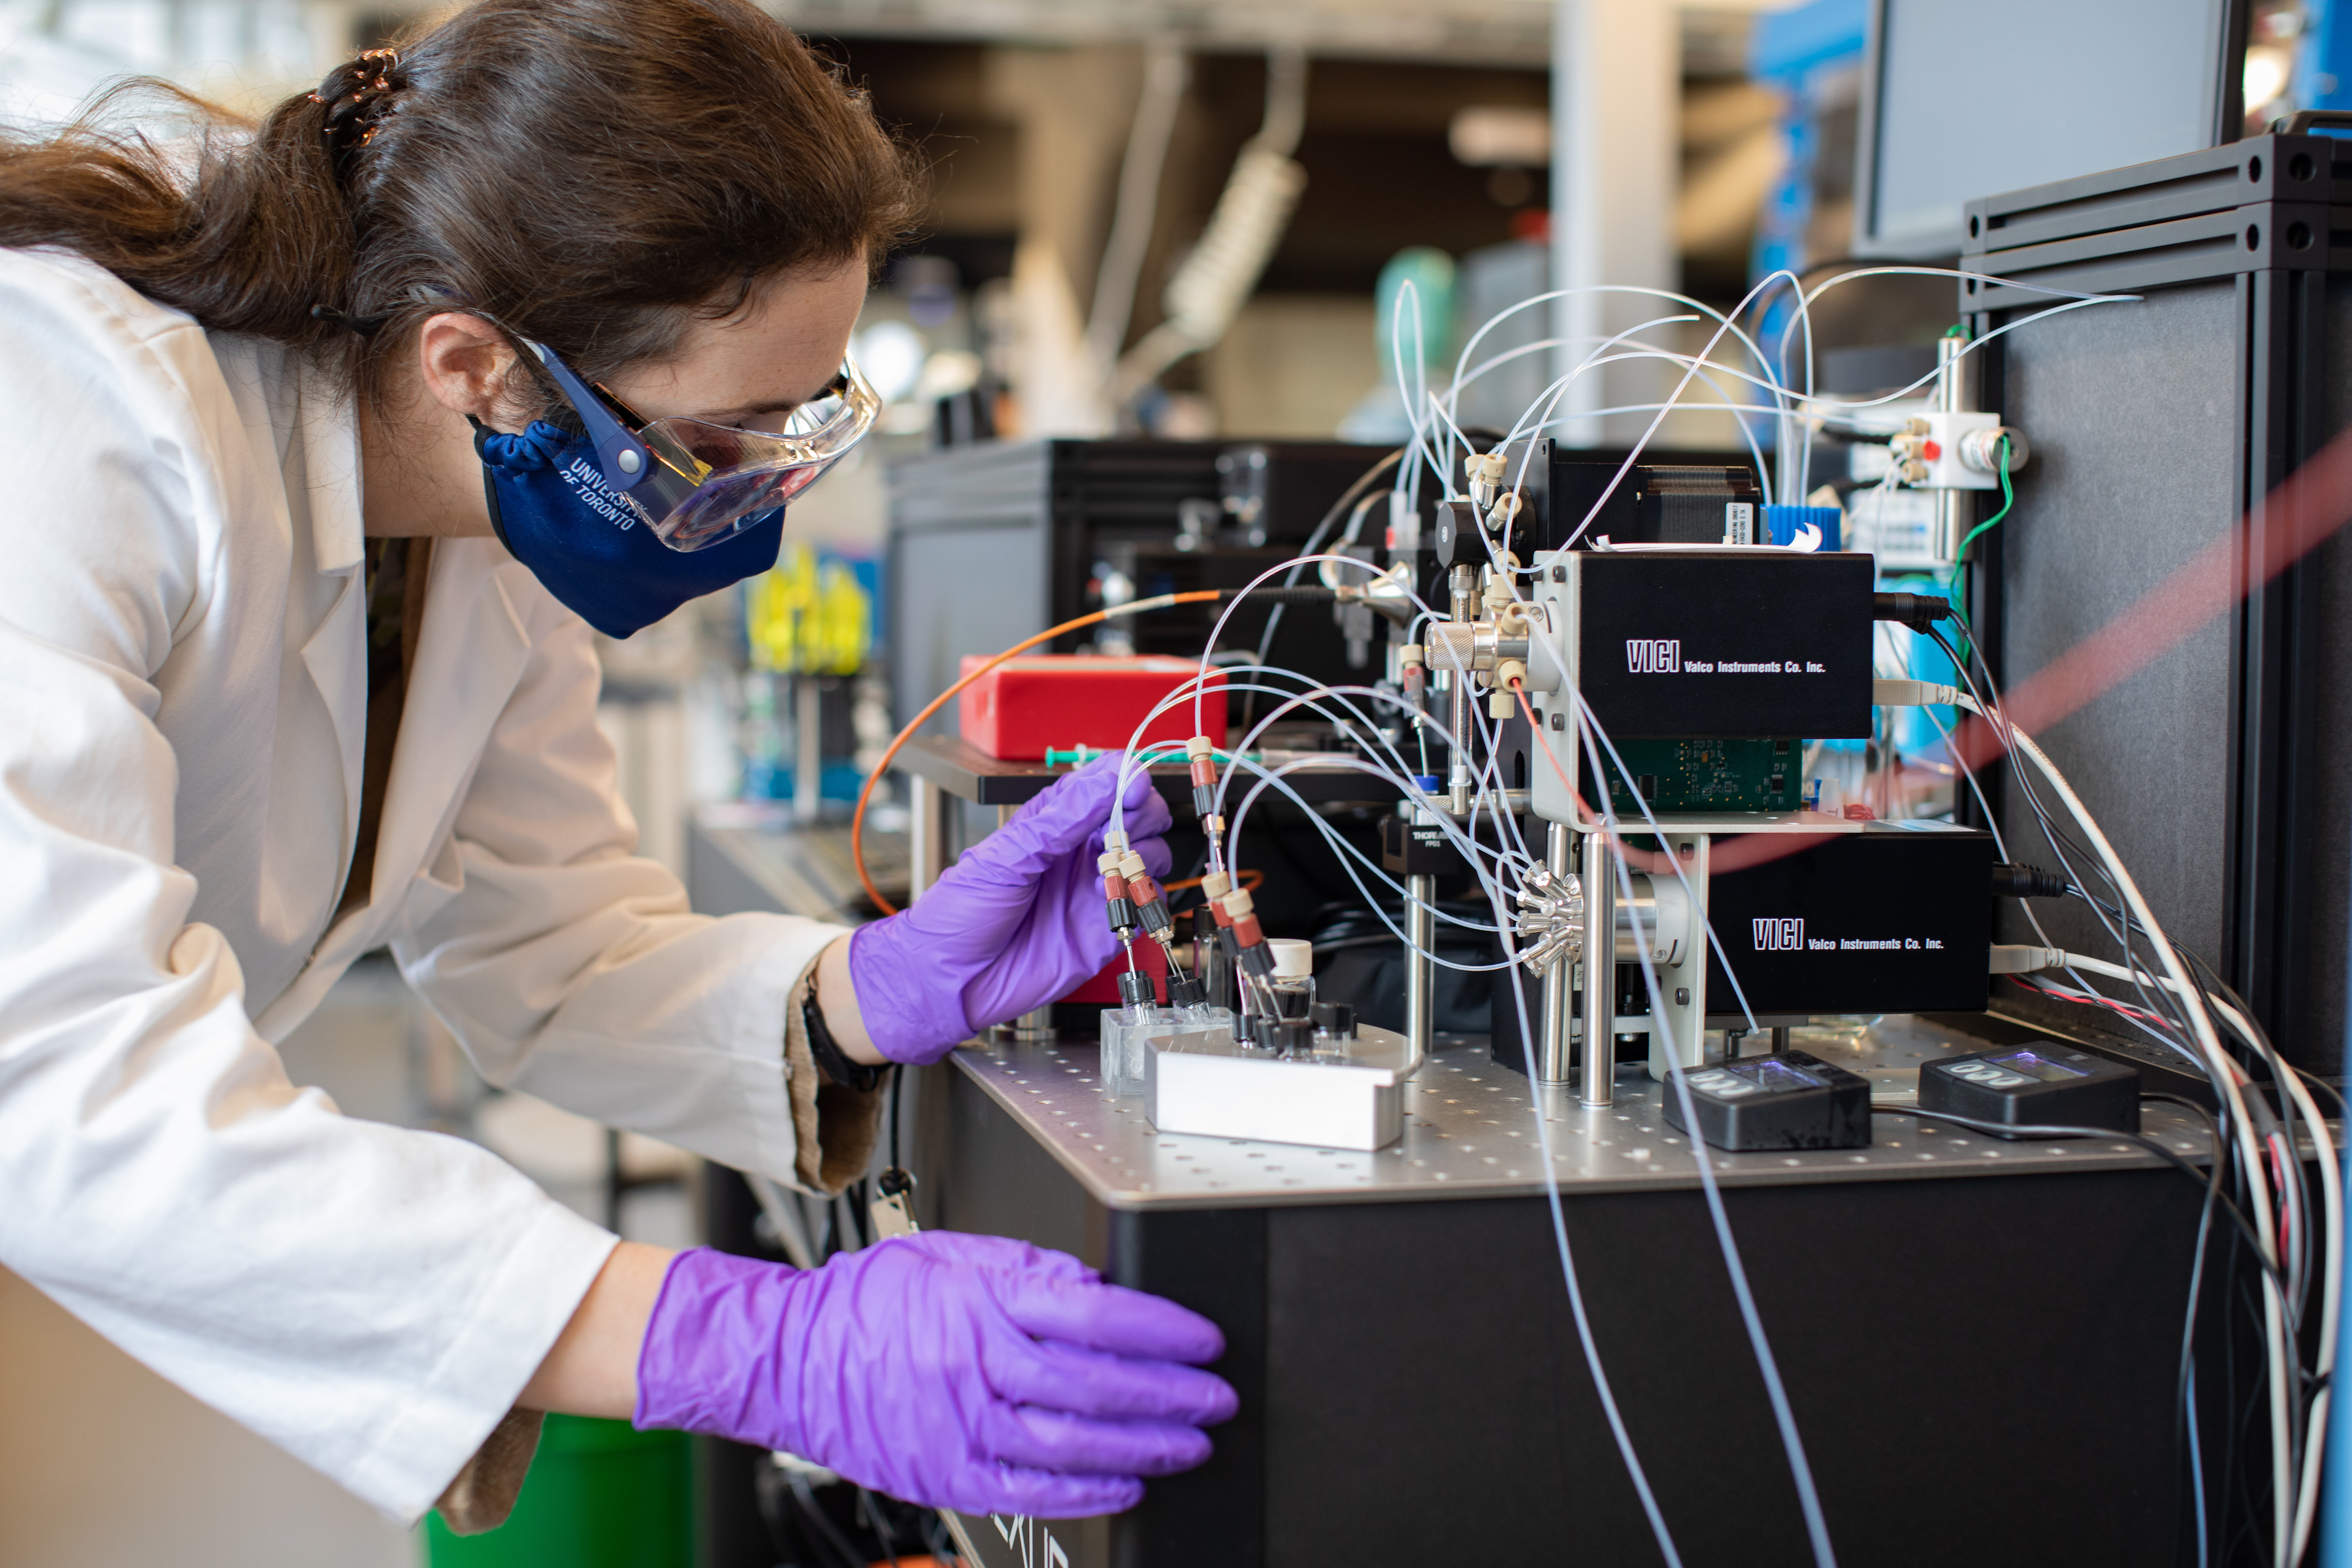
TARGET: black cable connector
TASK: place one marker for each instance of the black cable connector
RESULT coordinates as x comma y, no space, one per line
1917,611
2028,882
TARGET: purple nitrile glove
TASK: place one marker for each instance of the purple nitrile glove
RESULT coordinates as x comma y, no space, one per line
1018,922
954,1371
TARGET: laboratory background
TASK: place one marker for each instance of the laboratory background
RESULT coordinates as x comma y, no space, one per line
1831,505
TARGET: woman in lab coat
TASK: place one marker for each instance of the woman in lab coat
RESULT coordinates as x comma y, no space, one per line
330,440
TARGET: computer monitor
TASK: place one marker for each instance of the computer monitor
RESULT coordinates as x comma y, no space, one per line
1971,98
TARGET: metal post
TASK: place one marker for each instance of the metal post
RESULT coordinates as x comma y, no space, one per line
808,750
1954,394
1598,1079
1420,968
1463,692
928,828
1552,1053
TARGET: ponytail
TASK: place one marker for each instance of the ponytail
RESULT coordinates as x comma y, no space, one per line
245,240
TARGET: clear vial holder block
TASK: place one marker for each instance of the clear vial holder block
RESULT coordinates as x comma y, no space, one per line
1125,1031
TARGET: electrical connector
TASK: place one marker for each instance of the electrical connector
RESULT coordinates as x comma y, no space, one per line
1917,611
1912,694
2009,960
2013,881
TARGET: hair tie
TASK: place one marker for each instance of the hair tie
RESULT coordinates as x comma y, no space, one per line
356,95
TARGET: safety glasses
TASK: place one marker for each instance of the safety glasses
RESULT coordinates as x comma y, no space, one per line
696,484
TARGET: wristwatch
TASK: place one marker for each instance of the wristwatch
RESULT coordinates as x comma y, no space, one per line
828,1052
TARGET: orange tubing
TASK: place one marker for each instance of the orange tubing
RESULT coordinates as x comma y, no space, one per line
857,822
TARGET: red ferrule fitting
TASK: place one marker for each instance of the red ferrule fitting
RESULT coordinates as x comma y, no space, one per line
1246,932
1204,771
1143,889
1114,887
1217,914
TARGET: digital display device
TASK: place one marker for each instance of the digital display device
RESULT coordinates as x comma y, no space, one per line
1960,101
2038,1085
1789,1099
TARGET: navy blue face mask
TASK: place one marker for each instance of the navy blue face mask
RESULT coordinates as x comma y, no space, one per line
554,512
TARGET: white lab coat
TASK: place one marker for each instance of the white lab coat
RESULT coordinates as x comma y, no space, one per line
183,693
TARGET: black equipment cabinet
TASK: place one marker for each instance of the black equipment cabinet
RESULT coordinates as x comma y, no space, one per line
2223,770
1977,1346
995,542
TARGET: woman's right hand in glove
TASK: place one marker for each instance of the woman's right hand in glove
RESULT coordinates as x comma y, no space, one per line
954,1371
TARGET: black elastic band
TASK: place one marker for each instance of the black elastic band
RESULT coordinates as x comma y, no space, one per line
829,1053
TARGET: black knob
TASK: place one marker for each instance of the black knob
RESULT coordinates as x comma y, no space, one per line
1336,1018
1455,538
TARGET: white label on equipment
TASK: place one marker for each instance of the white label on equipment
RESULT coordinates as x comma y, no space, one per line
1654,656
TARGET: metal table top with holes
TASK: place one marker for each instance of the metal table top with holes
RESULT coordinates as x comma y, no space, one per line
1978,1338
1471,1129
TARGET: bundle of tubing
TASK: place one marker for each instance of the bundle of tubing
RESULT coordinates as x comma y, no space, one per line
857,822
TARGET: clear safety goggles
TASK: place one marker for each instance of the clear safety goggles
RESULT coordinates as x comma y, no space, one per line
696,484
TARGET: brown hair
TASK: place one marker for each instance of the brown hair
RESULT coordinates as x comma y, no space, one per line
591,174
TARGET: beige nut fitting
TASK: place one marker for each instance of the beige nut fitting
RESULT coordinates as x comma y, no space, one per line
1197,747
1131,865
1412,653
1107,862
1484,470
1114,841
1216,886
1501,704
1237,902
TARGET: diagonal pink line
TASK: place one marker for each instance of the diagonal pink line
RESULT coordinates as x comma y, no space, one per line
2306,510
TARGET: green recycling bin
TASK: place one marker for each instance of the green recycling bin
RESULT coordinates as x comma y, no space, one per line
601,1494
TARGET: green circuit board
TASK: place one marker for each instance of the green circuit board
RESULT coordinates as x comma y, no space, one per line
1708,775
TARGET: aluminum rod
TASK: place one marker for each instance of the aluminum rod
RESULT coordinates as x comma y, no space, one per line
1420,968
1597,1084
1552,1053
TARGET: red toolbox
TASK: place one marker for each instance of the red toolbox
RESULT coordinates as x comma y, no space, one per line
1027,706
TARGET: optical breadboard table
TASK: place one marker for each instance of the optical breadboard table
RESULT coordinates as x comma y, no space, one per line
1979,1337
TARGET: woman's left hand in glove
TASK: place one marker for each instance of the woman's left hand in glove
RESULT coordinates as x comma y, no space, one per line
1019,920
